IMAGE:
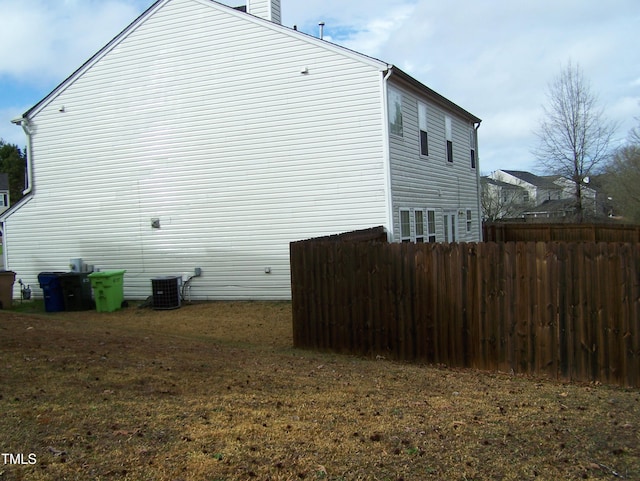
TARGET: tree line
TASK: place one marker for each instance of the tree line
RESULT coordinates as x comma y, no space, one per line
13,161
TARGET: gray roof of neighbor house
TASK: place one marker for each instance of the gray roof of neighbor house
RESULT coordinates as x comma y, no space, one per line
500,183
554,205
532,179
4,181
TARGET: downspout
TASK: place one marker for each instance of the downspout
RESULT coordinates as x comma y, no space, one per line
386,147
476,126
24,123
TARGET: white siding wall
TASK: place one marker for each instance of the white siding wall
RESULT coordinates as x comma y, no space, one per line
432,182
267,9
202,119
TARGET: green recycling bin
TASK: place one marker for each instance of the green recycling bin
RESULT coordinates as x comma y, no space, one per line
108,290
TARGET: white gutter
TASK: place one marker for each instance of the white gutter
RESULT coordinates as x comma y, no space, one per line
386,147
476,126
24,123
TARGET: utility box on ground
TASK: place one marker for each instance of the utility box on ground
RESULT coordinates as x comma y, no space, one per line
166,292
7,278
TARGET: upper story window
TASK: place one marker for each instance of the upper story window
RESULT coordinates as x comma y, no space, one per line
395,111
449,136
422,125
472,145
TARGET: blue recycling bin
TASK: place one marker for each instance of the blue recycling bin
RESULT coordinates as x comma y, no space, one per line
52,291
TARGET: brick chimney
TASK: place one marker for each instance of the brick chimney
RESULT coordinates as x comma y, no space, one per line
267,9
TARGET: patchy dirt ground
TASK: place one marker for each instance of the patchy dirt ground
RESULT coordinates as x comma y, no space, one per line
215,391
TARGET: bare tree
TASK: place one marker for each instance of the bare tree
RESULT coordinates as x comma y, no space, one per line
622,177
574,136
500,201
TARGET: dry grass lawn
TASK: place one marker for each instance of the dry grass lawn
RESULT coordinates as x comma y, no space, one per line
215,391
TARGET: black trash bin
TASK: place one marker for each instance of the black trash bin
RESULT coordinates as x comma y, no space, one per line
52,291
76,291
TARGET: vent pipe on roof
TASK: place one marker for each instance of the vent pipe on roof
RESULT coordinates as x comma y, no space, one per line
321,24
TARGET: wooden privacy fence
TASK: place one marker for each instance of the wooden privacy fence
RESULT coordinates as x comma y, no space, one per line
564,310
536,232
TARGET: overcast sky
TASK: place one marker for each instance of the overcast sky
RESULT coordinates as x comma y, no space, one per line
494,58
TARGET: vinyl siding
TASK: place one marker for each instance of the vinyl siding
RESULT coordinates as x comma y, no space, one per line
267,9
202,118
431,182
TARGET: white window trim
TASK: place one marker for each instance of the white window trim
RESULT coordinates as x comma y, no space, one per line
448,133
395,96
429,234
405,238
423,126
419,235
426,235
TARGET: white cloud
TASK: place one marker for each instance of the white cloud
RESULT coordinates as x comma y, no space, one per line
43,41
10,133
494,58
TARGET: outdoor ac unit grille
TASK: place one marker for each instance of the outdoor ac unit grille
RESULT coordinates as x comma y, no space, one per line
166,292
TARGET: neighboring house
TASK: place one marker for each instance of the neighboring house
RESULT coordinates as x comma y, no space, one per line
501,200
203,136
538,188
4,193
544,196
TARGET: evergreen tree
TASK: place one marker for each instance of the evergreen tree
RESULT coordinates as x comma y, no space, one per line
13,161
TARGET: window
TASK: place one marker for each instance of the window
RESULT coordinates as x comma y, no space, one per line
472,144
449,227
4,200
395,112
469,219
449,137
422,125
431,225
419,218
405,225
417,227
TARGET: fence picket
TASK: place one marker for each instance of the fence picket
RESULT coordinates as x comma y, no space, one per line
556,309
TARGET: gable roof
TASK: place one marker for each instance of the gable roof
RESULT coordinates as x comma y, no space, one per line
241,11
532,179
4,181
553,205
500,183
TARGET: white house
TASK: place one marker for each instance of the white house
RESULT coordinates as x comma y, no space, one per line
546,196
204,136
